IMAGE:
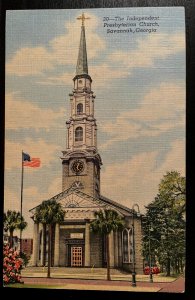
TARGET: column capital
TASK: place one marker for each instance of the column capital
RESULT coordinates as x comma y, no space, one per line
87,220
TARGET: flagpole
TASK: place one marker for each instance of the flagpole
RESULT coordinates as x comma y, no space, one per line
21,201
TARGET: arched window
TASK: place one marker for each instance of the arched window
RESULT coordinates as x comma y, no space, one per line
78,134
79,108
127,245
72,203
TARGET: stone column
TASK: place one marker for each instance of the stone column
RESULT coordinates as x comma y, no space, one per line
120,254
57,245
116,248
87,244
138,243
111,240
35,244
42,244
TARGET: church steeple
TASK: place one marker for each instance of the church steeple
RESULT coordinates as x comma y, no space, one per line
82,66
81,160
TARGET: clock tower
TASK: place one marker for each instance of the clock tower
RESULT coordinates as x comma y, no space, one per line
81,162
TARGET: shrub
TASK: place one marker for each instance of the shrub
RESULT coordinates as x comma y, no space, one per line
12,265
25,258
155,270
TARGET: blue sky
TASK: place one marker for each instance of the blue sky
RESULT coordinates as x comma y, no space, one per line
139,82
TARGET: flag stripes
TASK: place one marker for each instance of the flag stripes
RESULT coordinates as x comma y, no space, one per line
27,161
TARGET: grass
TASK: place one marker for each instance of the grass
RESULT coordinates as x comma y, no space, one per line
174,275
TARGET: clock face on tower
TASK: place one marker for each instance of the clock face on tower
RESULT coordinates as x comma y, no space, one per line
77,166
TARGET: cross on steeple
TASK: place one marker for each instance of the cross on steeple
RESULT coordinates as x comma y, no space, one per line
83,18
82,67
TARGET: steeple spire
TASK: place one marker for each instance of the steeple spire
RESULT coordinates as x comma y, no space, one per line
82,65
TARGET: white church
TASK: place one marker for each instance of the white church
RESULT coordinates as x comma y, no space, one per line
73,243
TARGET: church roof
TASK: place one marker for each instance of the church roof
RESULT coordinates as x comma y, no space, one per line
82,65
114,203
101,201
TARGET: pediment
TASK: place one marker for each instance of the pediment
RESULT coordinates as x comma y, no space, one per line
76,200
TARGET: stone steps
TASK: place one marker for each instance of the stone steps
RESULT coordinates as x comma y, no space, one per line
67,271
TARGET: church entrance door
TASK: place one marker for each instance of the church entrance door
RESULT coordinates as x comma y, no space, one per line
76,256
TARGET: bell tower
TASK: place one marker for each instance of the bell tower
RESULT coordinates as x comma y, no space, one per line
81,161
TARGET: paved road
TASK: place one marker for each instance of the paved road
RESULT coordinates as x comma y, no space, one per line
177,286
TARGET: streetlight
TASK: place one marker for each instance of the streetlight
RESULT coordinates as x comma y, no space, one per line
133,233
150,229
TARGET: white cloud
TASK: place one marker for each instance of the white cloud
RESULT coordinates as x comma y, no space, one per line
61,80
102,73
31,198
20,113
47,152
32,193
66,47
30,61
136,180
154,46
176,158
12,202
133,181
55,187
162,109
61,50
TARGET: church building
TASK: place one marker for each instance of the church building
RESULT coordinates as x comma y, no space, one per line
73,243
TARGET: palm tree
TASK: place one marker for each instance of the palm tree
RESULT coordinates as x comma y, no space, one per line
49,212
13,220
106,221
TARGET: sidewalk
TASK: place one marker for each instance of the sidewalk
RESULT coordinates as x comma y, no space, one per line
96,279
97,285
176,286
90,273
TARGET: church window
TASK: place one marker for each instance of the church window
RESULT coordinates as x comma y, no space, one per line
127,245
78,134
72,203
79,108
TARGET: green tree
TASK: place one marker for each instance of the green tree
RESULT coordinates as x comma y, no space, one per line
106,221
13,220
172,189
49,213
166,216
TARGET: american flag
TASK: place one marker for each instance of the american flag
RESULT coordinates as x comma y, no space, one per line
30,162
